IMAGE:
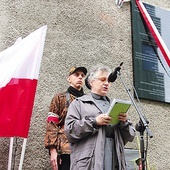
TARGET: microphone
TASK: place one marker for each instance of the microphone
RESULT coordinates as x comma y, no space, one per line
113,76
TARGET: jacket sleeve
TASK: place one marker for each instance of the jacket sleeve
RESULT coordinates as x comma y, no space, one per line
77,126
127,131
53,118
51,135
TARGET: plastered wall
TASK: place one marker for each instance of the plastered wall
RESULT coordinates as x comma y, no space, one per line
80,32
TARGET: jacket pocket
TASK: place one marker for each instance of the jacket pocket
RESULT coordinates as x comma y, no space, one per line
84,159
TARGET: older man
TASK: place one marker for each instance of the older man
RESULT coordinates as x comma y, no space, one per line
95,143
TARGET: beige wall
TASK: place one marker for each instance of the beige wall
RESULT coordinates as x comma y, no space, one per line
80,32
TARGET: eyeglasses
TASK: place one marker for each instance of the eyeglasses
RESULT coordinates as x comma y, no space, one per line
103,79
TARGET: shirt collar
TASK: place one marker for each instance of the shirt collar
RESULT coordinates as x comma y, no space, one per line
98,97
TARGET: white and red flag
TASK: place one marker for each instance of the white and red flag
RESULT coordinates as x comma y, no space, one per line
19,71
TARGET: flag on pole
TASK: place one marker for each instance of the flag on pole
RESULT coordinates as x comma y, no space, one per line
19,71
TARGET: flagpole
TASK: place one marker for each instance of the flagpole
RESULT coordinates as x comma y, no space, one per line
10,153
22,153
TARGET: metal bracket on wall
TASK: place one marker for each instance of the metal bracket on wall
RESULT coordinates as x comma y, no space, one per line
119,3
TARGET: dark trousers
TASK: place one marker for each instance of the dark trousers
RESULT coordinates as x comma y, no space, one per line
65,164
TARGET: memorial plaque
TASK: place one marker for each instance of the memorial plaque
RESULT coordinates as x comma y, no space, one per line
150,69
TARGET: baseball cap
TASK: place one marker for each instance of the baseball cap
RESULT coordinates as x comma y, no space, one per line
74,69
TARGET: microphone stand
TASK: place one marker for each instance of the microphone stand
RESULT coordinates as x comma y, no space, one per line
141,126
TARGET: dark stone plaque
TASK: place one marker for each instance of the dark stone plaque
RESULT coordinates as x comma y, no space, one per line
150,69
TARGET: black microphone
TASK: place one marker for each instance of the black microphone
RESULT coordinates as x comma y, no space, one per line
113,76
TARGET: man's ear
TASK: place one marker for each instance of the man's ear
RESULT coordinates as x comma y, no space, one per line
88,85
68,79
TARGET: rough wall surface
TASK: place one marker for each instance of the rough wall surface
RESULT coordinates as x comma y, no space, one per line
80,32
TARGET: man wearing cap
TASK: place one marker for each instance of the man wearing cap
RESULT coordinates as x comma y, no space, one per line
55,138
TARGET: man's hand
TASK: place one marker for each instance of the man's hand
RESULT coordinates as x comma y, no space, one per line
103,119
123,117
53,159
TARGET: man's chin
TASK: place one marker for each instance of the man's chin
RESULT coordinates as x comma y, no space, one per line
104,93
79,87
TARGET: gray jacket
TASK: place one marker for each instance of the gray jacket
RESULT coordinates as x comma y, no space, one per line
87,142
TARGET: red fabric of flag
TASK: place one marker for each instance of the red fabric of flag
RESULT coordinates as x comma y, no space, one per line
16,103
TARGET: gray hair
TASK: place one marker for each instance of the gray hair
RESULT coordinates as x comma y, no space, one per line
95,69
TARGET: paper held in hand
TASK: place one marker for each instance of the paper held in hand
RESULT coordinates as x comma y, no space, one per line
118,106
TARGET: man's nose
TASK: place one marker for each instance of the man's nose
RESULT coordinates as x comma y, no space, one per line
106,82
80,76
